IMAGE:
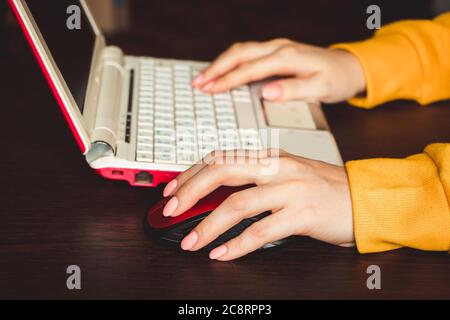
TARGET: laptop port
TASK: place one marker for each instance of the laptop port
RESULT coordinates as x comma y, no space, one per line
117,173
143,178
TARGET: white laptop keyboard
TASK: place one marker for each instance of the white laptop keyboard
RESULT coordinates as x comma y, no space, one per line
180,125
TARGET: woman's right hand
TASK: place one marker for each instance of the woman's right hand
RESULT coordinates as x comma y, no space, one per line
313,73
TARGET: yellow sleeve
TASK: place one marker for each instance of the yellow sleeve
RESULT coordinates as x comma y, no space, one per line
405,60
402,202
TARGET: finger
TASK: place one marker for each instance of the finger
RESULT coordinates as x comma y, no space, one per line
235,55
313,88
211,158
175,184
272,228
209,179
237,207
264,67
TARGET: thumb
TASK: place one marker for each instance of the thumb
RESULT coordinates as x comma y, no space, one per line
310,89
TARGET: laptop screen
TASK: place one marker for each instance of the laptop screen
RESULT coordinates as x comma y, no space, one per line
71,47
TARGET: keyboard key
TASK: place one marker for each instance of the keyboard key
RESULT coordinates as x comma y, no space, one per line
206,99
184,114
144,157
143,133
186,140
205,123
163,69
185,131
164,142
146,107
145,112
185,123
224,103
187,158
204,114
165,155
181,86
183,93
146,94
222,97
183,67
164,116
144,99
183,100
187,149
182,78
145,141
207,131
226,126
144,148
145,119
165,129
146,83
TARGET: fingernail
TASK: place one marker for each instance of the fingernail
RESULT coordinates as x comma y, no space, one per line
218,252
169,188
198,80
208,87
170,207
189,241
271,92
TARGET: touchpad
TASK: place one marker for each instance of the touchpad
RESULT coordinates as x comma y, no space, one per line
292,114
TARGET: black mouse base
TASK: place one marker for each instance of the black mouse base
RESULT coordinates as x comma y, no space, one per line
177,233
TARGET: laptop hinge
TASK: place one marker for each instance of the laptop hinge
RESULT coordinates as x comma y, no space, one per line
110,97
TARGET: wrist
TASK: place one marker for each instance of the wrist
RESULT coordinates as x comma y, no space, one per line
358,74
355,72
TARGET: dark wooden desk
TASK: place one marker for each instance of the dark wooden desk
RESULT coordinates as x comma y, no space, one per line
56,212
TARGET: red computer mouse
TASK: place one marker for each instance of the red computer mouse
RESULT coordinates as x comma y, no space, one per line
174,229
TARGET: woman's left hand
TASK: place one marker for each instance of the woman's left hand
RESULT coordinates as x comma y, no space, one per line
306,197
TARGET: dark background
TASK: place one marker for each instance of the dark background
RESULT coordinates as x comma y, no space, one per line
55,212
205,28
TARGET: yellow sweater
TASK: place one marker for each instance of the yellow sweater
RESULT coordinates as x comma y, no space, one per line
404,202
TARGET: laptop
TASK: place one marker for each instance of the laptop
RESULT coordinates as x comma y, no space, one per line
138,119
